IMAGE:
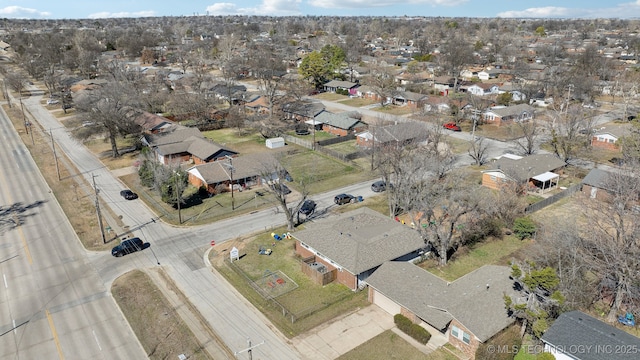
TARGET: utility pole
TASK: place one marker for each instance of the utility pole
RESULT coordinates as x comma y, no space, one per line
104,240
178,197
231,170
248,349
55,156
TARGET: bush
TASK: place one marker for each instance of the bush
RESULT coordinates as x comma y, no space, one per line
416,331
524,228
507,339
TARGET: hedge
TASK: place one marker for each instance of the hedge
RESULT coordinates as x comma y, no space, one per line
416,331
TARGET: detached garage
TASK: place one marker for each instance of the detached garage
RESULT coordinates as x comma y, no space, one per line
275,143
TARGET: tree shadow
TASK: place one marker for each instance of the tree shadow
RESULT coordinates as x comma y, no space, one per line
16,214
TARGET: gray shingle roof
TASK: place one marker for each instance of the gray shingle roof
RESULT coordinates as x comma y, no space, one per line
401,132
514,110
174,135
528,166
340,84
206,150
341,121
587,338
360,240
475,300
596,178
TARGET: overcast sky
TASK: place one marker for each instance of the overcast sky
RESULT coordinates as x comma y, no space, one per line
82,9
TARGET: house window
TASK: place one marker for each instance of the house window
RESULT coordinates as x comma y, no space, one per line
493,178
460,334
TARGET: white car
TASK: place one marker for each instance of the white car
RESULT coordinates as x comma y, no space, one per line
52,102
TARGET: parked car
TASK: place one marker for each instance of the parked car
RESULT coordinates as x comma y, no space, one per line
281,188
452,126
127,247
342,199
379,186
128,194
308,207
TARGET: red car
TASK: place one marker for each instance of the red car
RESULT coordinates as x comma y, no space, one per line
452,126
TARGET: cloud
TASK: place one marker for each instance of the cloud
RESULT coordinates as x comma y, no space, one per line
623,11
357,4
267,7
123,14
21,12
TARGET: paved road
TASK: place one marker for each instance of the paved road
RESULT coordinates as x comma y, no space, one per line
180,251
53,303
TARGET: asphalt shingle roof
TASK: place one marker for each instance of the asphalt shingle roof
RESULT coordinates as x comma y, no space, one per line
341,121
360,240
528,166
246,166
586,338
475,300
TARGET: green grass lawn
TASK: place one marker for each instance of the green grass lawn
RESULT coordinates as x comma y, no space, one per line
357,102
493,251
345,147
310,304
395,110
390,345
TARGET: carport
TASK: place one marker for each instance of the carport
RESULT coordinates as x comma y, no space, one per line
546,181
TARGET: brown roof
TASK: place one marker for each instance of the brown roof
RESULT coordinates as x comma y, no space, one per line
528,166
247,166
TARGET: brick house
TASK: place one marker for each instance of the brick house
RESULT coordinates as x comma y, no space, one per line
408,98
607,138
334,85
538,172
302,110
182,144
508,114
610,186
469,310
247,172
353,245
341,124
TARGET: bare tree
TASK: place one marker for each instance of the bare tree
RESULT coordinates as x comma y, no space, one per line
381,80
269,70
611,245
566,137
457,53
273,174
530,132
478,150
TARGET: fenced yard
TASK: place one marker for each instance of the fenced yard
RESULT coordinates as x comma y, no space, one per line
293,310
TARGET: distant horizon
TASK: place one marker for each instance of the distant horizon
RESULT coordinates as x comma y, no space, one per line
544,9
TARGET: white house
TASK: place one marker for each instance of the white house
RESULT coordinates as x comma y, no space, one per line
482,89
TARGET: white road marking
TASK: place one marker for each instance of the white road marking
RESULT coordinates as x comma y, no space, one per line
14,326
6,286
97,342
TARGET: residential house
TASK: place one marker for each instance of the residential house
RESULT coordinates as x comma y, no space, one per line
258,105
367,92
151,123
500,115
578,336
302,110
608,186
469,310
408,98
607,137
341,124
438,104
516,95
409,78
247,172
335,85
231,93
538,172
443,85
182,144
354,244
486,75
393,135
482,89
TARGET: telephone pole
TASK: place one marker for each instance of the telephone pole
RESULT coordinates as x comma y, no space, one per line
231,170
93,177
55,157
248,349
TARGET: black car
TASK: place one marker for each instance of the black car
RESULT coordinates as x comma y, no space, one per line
379,186
127,247
128,194
281,188
308,207
342,199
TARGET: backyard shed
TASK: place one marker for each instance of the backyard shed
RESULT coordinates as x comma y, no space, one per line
275,143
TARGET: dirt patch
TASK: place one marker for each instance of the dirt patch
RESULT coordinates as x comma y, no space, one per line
221,252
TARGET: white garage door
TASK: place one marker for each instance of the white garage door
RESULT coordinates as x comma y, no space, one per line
386,304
